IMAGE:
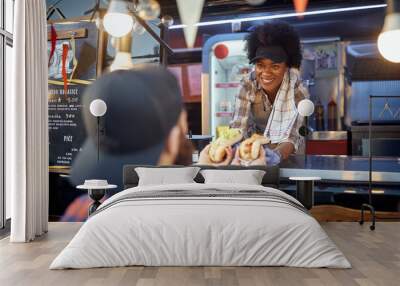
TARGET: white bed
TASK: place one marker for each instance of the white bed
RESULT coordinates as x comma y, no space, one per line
268,228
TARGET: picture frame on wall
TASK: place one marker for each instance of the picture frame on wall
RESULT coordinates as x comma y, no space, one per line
325,58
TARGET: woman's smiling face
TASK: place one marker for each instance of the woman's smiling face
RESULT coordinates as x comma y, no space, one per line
270,74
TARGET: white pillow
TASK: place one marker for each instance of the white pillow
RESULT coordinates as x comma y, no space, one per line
166,176
248,177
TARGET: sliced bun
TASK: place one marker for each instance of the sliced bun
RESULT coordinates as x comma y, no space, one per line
250,148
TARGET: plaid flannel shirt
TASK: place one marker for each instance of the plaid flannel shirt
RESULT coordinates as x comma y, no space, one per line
242,118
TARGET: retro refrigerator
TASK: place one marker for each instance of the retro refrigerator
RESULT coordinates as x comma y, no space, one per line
224,65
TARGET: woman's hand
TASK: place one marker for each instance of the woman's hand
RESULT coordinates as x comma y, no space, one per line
204,158
272,156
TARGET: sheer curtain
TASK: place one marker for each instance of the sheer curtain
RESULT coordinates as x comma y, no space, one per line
26,124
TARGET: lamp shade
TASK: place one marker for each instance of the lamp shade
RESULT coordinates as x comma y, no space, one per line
190,13
98,107
305,107
118,20
388,40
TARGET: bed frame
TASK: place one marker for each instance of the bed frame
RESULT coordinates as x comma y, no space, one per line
270,179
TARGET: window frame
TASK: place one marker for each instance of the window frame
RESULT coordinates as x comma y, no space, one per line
6,39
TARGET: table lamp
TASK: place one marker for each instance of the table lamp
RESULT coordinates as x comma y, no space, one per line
98,108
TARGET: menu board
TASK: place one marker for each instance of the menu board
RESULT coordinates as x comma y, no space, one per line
72,67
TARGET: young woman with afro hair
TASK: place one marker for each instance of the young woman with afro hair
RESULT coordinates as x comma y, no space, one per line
267,101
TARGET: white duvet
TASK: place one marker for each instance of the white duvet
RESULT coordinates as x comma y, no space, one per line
200,231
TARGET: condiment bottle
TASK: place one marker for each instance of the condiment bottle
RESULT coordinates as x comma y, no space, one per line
319,116
332,115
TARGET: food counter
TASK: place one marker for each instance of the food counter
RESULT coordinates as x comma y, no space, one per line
328,143
345,180
343,168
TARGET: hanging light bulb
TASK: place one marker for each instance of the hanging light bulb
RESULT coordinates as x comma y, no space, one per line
167,20
388,40
148,9
118,20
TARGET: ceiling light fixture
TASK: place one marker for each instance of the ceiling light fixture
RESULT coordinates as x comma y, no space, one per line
190,13
287,15
118,20
148,9
389,38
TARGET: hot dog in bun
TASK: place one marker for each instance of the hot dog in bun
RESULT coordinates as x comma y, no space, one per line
249,149
227,138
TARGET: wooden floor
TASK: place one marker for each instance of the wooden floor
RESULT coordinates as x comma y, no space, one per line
375,257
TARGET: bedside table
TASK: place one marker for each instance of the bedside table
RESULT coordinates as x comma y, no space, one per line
305,190
96,190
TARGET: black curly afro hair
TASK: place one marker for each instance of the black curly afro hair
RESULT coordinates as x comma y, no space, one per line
276,33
